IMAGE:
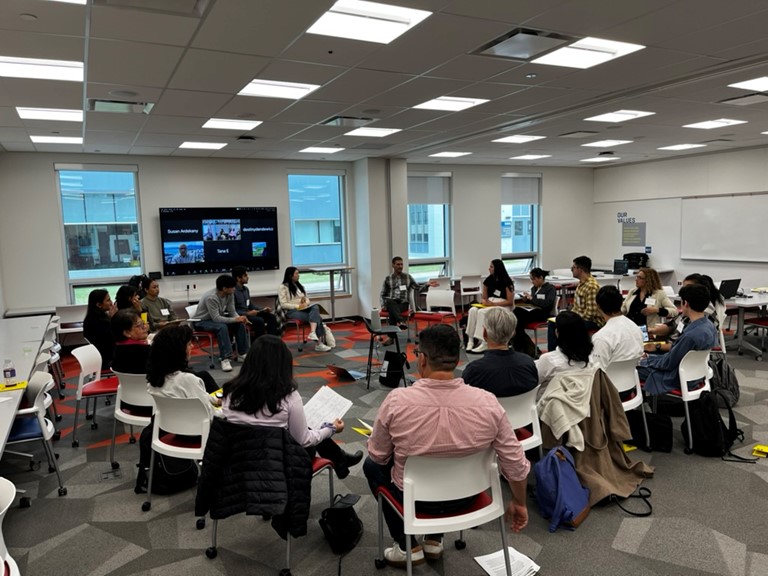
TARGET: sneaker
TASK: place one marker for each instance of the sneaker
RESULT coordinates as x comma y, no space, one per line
320,347
241,357
226,365
433,549
480,349
395,556
313,336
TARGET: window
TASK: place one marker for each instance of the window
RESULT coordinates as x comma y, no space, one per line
520,221
317,226
429,198
99,209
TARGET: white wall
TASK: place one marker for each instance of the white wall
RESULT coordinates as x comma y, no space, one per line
566,214
31,251
652,193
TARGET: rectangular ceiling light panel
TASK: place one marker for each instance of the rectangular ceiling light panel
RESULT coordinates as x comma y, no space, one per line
518,139
60,114
682,147
711,124
229,124
367,21
588,52
38,69
278,89
373,132
450,103
608,143
620,116
321,150
531,157
56,140
756,84
203,145
449,154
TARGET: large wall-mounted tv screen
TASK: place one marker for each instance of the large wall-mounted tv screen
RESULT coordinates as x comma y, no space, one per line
213,240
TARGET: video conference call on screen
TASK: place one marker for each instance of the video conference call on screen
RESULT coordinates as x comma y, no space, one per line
213,240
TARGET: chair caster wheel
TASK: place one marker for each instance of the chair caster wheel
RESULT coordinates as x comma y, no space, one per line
89,416
460,544
200,524
107,402
58,418
115,465
379,563
146,507
688,451
25,502
34,466
51,469
62,491
56,436
95,426
741,353
285,572
211,552
132,440
75,443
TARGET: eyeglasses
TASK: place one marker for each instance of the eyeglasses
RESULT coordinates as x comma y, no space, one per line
640,277
140,324
416,351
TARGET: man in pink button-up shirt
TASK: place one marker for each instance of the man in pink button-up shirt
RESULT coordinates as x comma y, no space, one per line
440,416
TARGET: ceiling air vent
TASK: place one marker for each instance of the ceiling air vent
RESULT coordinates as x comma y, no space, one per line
748,100
524,44
347,121
119,106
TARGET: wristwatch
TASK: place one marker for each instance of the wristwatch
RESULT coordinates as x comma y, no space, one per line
658,346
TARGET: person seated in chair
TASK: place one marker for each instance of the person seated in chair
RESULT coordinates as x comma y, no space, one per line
620,339
262,320
660,371
293,299
159,310
96,325
131,344
502,371
584,303
264,393
216,313
396,292
440,416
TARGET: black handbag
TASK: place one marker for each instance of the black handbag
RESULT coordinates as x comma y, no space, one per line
341,525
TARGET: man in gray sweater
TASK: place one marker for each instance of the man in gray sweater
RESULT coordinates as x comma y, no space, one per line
216,313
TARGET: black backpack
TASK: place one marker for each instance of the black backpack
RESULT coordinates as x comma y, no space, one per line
724,379
341,525
392,369
171,474
711,437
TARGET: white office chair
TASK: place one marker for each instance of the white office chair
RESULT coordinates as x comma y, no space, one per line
133,406
90,384
437,301
624,376
443,282
470,287
438,479
694,367
7,495
521,411
187,418
197,334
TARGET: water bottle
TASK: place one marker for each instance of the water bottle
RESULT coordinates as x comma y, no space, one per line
9,372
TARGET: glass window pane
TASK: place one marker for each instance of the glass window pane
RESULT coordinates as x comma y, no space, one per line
317,223
101,229
428,237
519,231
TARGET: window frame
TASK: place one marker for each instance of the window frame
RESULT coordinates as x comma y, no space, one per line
97,280
533,256
445,262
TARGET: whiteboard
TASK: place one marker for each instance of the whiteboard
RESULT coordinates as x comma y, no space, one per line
725,228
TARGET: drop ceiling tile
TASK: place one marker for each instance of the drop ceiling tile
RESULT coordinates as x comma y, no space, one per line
410,118
278,131
158,123
416,91
47,46
18,146
186,103
474,67
519,99
11,134
723,36
329,50
151,151
357,85
249,107
40,93
118,62
510,11
263,28
216,71
9,118
309,112
123,92
56,18
592,17
115,121
105,148
97,138
142,26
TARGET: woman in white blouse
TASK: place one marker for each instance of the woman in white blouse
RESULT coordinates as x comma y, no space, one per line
295,303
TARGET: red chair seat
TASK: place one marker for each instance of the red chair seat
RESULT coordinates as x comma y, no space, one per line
102,387
536,325
478,503
320,464
678,393
138,411
762,321
180,440
523,434
430,316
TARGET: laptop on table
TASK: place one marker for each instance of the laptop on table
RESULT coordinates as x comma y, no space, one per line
729,288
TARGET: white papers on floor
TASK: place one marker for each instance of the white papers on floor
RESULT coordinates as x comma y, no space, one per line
325,406
494,565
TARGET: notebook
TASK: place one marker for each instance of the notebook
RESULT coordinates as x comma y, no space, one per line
729,288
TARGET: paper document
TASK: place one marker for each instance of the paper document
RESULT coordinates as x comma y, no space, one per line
494,565
325,406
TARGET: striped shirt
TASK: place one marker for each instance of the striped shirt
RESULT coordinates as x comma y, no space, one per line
444,418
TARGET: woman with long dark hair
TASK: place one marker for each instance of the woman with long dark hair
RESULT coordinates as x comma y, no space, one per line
128,297
264,393
574,345
96,325
498,290
167,366
538,305
295,303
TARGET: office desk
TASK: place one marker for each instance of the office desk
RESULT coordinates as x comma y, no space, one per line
757,301
331,271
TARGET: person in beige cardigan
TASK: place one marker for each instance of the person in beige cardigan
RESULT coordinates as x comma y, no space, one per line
648,304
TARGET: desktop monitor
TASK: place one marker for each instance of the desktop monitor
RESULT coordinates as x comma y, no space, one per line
620,266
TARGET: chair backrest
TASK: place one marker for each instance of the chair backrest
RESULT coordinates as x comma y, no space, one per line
437,298
563,272
41,362
432,478
133,390
521,409
470,282
35,394
555,306
623,374
190,310
181,416
693,367
90,365
7,495
444,282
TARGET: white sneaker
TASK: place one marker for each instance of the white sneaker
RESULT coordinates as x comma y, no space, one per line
330,339
480,349
320,347
226,365
395,556
241,357
433,549
313,336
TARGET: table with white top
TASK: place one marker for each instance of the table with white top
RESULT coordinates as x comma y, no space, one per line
742,304
331,271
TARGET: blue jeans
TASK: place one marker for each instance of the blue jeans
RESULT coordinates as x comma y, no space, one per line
221,329
311,314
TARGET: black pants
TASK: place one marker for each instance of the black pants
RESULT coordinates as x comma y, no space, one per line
264,323
395,309
521,342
